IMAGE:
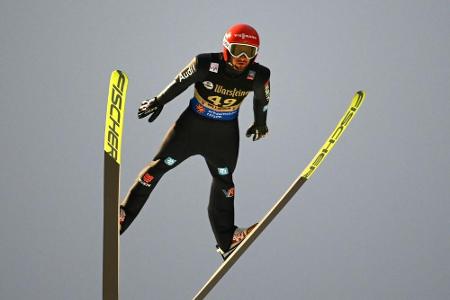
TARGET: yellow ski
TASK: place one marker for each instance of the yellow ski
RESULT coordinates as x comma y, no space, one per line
112,158
273,212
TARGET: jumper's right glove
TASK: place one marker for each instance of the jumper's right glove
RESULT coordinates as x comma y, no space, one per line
258,131
148,107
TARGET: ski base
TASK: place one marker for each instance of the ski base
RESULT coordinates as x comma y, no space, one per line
111,189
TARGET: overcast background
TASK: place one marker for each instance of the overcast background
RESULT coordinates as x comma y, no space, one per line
372,223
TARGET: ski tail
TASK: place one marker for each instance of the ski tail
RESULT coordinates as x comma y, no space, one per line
287,196
111,189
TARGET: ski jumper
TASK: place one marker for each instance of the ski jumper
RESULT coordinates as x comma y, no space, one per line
208,127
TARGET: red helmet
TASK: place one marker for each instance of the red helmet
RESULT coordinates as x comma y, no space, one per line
240,39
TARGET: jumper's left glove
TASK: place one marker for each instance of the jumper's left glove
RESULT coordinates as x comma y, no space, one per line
148,107
258,131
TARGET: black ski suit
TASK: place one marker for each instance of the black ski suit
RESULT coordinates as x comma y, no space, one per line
208,127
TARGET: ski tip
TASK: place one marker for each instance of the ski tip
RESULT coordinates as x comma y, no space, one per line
120,72
358,99
360,93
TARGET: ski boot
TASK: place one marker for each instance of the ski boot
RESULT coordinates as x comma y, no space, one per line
238,236
122,216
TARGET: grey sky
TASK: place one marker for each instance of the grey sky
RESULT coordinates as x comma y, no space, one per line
372,223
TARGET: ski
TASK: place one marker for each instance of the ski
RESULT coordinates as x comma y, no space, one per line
112,145
296,185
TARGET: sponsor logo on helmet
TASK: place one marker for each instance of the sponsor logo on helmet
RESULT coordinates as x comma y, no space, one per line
243,35
208,84
214,67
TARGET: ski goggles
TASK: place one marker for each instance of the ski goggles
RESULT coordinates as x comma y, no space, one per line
236,50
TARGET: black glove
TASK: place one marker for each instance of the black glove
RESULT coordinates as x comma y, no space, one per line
258,131
148,107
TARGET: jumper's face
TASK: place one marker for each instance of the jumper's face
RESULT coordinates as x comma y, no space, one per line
240,63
